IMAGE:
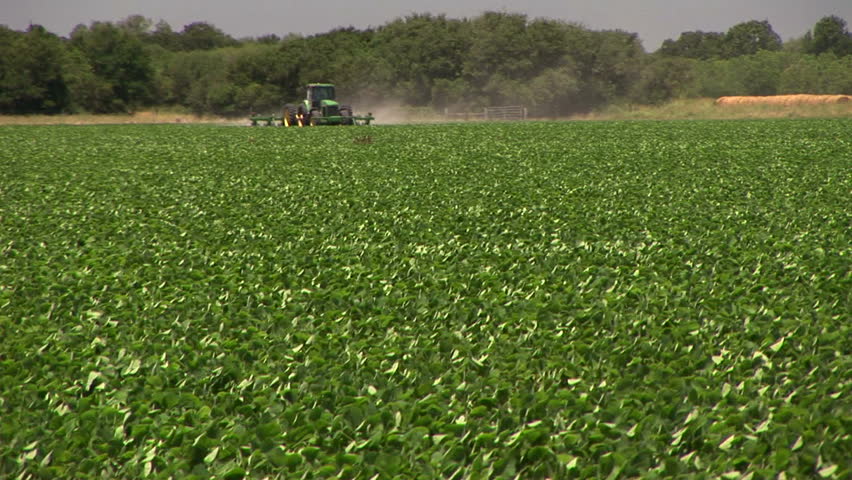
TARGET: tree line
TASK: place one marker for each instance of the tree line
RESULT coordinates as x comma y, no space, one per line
551,66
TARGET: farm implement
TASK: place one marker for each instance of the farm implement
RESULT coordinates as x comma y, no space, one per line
319,108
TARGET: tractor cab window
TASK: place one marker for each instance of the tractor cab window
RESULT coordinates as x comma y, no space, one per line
317,94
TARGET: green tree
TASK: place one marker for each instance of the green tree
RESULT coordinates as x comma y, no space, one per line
749,38
294,51
760,73
258,74
554,91
118,58
549,44
268,39
831,36
193,75
663,78
136,25
825,74
31,77
698,45
802,76
164,36
609,63
87,91
419,50
757,74
799,44
326,57
203,36
499,46
716,78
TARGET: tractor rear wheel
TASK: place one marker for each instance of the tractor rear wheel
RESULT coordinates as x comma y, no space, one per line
288,116
346,113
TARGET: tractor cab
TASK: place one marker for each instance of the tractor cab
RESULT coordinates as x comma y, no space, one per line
317,92
320,100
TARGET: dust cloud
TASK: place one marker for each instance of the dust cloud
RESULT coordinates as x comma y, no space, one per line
397,113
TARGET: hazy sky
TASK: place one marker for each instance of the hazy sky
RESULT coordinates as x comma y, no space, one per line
653,20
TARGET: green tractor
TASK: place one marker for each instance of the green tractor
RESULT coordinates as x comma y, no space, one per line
319,108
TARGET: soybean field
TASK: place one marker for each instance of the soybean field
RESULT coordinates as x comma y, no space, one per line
459,301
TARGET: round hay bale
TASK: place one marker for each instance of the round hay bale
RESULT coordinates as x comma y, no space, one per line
783,100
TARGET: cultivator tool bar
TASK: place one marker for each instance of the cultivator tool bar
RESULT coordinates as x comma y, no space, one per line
306,121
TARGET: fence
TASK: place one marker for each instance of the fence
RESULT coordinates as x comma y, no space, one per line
510,113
